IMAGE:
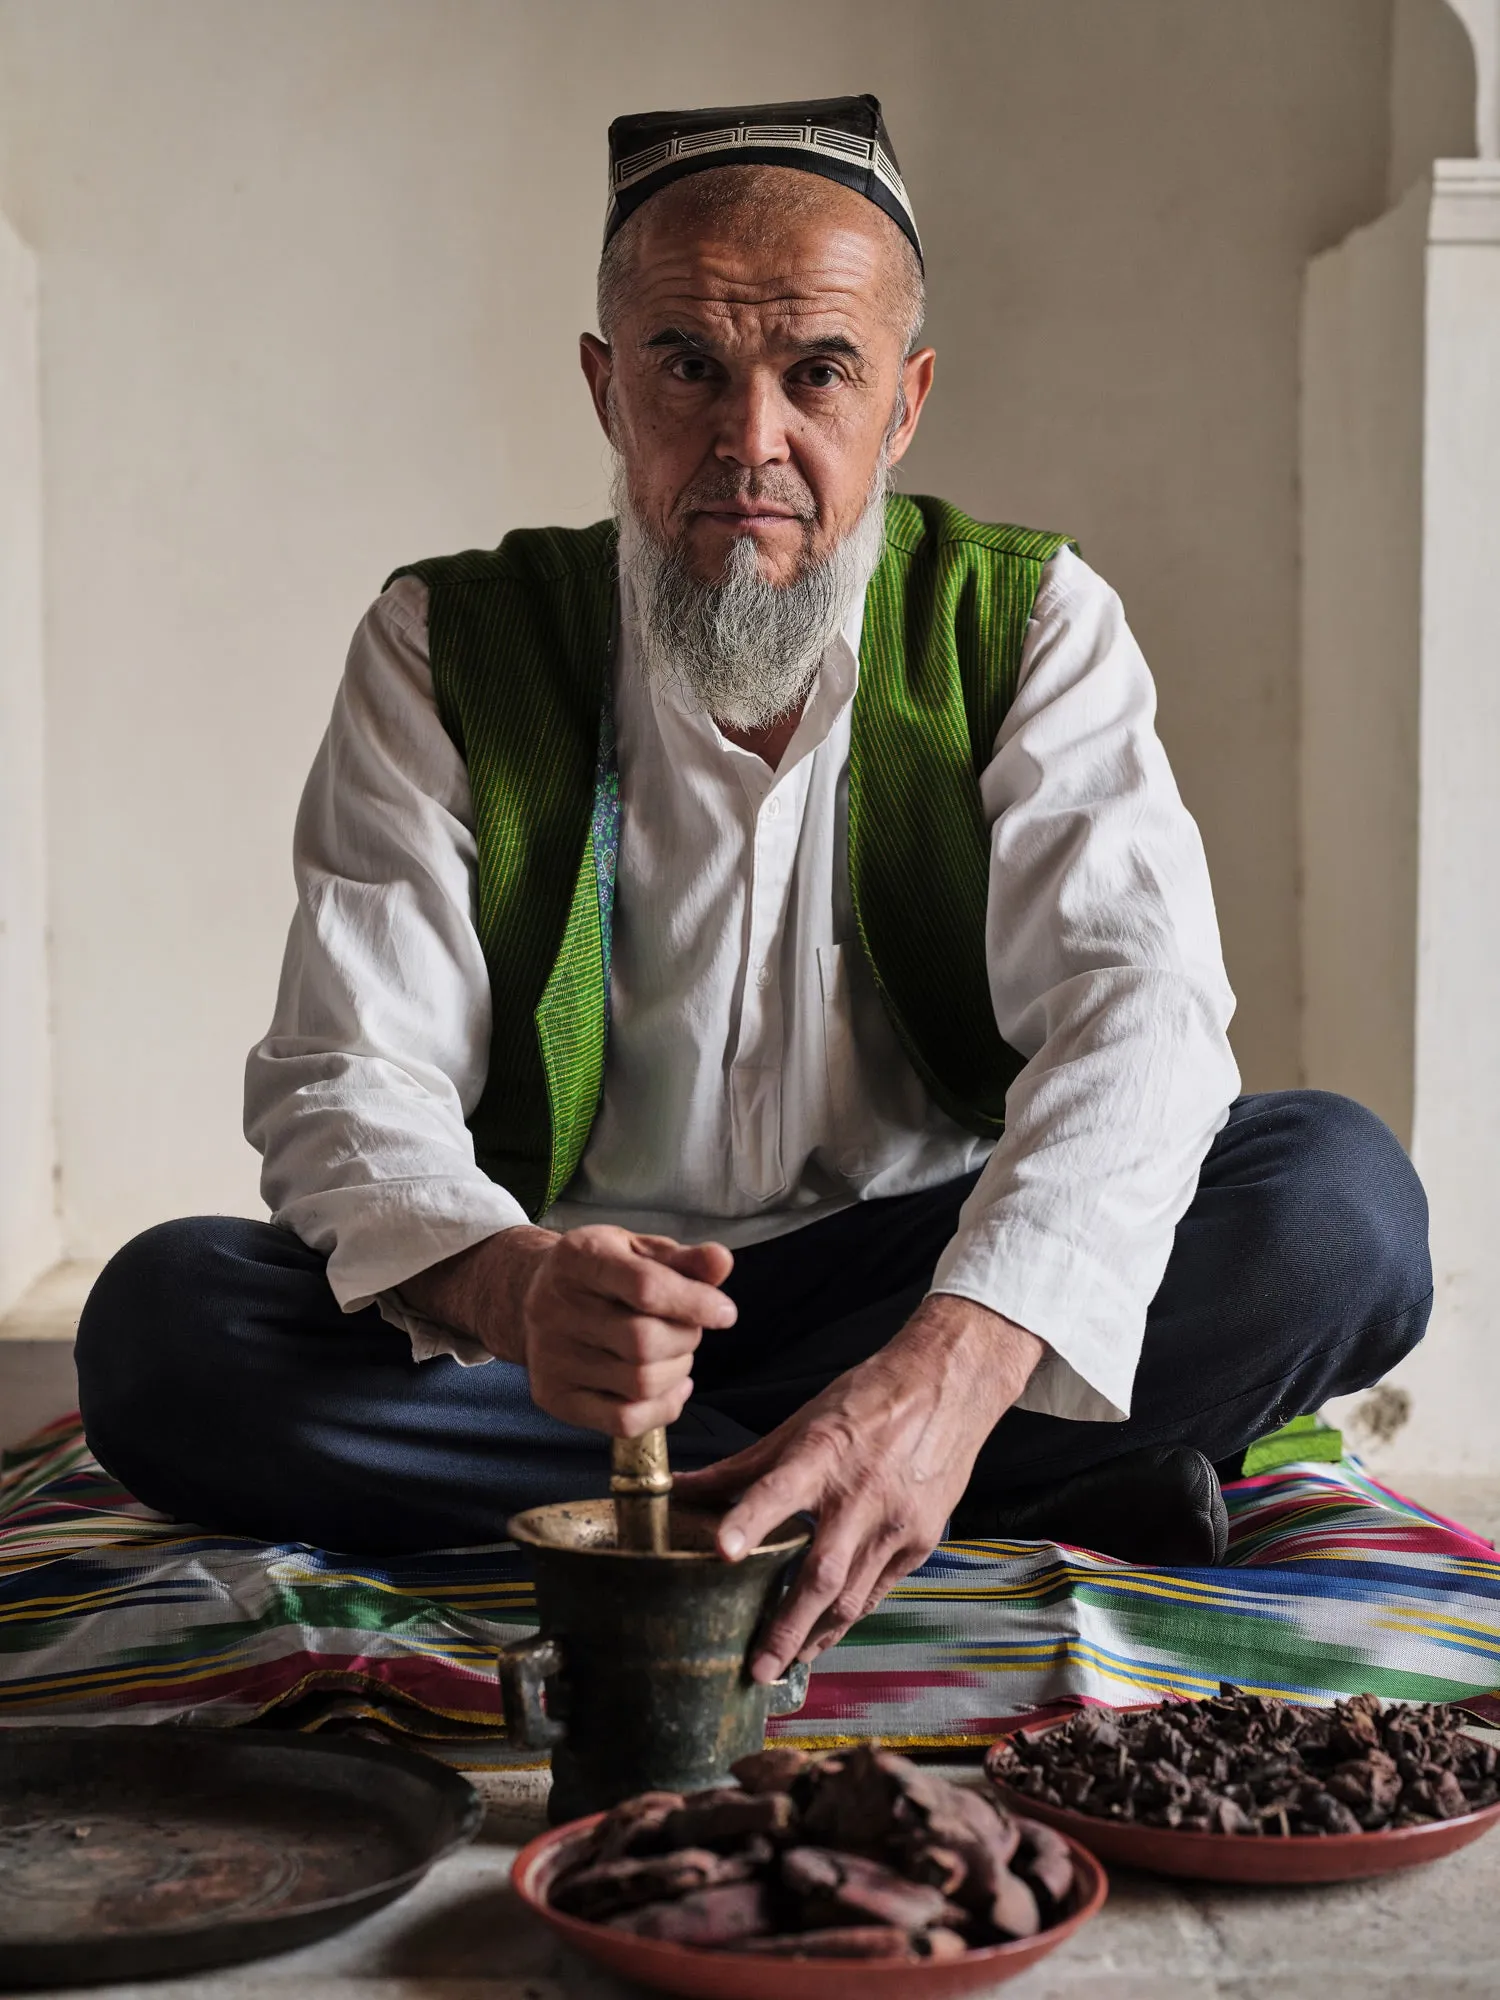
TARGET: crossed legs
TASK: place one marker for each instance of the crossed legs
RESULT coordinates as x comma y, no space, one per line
221,1383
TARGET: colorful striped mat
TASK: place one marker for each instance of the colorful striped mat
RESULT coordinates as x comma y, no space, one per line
1333,1585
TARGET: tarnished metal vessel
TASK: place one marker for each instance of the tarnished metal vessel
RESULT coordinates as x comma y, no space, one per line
639,1679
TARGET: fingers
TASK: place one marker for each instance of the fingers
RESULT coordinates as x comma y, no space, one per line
634,1338
709,1262
832,1588
598,1412
611,1264
839,1584
833,1624
613,1321
623,1381
895,1571
730,1476
587,1383
799,1478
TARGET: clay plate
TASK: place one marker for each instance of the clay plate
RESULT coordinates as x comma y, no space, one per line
1239,1857
728,1975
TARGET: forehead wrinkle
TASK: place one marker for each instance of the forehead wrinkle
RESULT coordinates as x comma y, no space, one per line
791,319
774,338
850,265
799,296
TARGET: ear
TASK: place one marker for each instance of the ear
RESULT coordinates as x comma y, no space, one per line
598,368
916,380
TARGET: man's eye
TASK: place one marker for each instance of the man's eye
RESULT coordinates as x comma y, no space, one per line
820,375
691,367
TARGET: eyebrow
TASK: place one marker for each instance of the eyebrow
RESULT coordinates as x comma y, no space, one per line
698,343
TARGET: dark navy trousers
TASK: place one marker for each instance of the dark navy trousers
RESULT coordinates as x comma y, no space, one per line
220,1382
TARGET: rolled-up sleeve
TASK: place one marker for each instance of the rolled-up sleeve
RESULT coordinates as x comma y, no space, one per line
1107,974
358,1095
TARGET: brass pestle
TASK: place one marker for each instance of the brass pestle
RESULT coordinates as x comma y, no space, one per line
640,1482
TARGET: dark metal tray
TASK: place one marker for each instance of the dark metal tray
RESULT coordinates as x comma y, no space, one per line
126,1852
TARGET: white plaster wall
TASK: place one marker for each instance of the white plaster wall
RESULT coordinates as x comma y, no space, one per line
1400,751
1128,197
1362,408
28,1222
1481,19
1434,91
313,277
1454,1379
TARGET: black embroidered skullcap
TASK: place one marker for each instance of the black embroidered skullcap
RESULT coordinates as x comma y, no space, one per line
842,138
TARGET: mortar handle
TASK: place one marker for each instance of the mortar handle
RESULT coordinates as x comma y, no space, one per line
524,1665
638,1467
789,1694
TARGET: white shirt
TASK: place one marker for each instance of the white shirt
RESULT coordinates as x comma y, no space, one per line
753,1082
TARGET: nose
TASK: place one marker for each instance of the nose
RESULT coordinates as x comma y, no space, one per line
752,422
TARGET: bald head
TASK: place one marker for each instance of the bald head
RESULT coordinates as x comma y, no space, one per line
776,207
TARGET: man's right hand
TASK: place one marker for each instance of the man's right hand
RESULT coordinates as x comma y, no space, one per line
606,1323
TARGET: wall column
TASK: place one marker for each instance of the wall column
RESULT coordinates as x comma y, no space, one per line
1401,751
29,1241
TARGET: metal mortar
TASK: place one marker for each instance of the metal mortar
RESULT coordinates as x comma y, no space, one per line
638,1677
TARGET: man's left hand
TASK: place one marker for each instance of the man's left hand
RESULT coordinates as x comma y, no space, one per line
881,1458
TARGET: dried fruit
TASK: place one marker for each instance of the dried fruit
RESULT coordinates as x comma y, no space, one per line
858,1855
706,1917
724,1818
634,1826
610,1887
1243,1764
837,1889
771,1770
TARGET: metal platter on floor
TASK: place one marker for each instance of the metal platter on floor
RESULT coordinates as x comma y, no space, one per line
129,1852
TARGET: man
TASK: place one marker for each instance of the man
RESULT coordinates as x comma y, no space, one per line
753,973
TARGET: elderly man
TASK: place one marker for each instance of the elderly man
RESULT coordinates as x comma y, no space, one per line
753,973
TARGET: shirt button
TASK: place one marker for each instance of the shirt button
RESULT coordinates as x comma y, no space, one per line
773,808
763,976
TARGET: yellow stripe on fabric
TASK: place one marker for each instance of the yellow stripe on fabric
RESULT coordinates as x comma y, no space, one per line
1181,1590
1413,1560
1419,1626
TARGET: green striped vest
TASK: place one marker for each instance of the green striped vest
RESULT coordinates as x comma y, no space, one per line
522,639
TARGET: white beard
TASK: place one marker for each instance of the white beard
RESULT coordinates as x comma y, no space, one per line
746,650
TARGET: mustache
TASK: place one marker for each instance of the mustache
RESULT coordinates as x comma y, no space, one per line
779,485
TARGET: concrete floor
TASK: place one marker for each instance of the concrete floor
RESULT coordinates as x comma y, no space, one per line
462,1935
1429,1935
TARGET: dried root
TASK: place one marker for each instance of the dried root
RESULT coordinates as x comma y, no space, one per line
860,1855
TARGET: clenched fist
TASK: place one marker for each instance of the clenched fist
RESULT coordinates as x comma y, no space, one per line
606,1323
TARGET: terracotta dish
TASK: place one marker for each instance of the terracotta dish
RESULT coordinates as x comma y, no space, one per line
1229,1857
728,1975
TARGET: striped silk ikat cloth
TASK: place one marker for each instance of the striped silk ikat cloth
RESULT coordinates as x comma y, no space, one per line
1333,1585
